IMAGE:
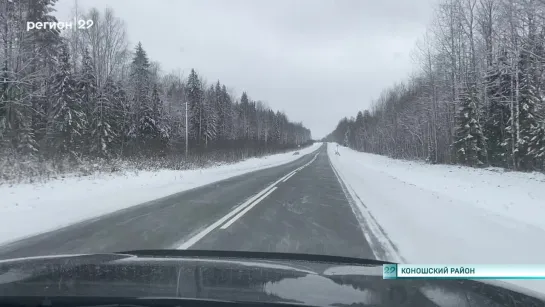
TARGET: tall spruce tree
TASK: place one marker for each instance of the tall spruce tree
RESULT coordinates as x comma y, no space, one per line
161,134
529,101
537,145
470,141
143,125
104,117
210,116
88,94
195,97
68,118
498,82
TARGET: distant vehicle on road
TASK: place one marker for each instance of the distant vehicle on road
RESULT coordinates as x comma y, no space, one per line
296,153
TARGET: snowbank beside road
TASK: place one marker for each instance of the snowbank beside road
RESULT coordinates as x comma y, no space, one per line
27,209
450,214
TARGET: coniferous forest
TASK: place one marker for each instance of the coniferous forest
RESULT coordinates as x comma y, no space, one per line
477,98
81,101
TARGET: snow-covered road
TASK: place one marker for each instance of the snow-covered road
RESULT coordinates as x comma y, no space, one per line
28,209
448,214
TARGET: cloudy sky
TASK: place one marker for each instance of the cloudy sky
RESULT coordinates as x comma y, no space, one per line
317,60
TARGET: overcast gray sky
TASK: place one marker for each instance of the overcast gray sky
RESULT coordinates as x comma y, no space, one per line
317,60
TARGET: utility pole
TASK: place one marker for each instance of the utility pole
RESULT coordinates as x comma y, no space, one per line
186,132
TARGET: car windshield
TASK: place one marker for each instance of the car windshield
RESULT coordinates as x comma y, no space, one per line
402,131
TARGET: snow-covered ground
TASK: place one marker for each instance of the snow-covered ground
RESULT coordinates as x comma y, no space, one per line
442,214
27,209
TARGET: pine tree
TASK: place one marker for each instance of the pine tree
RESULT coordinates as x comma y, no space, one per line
195,97
529,101
280,127
104,128
498,81
102,134
69,119
358,128
470,141
219,106
4,98
252,121
227,111
210,116
87,92
244,110
87,81
148,124
122,115
537,145
140,75
143,127
26,142
40,51
162,129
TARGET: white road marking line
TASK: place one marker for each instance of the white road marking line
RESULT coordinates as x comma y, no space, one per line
290,174
381,246
313,159
187,244
196,238
289,177
357,214
247,209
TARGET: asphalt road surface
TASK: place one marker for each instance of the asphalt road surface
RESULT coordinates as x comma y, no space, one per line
298,207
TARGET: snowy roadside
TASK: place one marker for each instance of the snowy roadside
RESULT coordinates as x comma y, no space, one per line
450,214
28,209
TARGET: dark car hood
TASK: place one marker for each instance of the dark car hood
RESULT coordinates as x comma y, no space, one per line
241,279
